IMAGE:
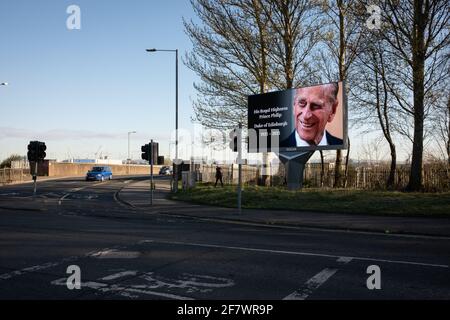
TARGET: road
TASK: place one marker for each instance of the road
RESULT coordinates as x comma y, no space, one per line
123,253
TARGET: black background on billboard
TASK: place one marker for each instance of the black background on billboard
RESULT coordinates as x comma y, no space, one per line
269,100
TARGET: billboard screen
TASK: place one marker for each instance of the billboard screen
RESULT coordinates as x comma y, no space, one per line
301,119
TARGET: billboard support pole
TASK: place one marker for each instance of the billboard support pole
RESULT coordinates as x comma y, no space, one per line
294,163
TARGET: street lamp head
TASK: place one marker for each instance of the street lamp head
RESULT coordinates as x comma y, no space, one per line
151,50
4,83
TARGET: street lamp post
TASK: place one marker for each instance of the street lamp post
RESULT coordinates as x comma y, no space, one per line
129,133
176,111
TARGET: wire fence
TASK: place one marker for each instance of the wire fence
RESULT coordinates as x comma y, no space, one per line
436,177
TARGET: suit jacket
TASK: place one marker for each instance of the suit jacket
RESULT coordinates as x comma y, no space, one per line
290,141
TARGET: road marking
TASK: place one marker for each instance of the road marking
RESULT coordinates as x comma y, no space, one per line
76,190
119,275
160,294
297,253
264,224
344,260
36,268
316,281
115,254
44,266
186,281
311,285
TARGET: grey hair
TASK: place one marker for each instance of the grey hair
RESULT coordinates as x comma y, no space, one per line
333,90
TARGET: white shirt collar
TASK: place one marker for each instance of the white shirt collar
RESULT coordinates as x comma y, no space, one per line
302,143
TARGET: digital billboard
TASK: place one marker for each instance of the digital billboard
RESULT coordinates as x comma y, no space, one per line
300,119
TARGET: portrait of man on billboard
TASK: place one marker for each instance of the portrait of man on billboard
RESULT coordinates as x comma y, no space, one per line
314,111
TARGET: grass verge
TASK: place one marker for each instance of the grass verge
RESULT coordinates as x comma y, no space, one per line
333,200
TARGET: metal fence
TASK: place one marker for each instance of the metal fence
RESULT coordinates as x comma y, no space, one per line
436,177
8,175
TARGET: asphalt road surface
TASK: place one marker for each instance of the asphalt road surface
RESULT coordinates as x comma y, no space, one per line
125,254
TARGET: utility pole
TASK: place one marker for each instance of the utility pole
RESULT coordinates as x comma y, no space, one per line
175,187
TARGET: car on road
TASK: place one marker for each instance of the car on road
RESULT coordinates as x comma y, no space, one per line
101,173
165,170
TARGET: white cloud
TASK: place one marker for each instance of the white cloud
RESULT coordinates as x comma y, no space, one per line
65,134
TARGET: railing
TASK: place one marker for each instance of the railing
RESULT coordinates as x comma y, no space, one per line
436,177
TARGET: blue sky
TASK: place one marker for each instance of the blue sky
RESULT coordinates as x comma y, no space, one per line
81,90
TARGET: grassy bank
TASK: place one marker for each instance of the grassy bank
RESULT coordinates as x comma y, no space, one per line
336,201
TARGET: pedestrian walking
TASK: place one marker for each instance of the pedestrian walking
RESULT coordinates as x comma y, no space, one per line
218,176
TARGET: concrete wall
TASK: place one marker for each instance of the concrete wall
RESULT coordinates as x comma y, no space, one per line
59,169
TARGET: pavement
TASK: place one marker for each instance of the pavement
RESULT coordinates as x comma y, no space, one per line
137,195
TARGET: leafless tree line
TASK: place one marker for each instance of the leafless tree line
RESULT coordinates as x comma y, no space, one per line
396,69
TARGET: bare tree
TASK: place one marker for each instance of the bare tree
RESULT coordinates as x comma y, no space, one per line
372,151
230,56
371,93
295,26
448,130
342,38
418,33
441,125
247,47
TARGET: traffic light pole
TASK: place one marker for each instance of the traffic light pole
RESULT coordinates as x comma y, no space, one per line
35,170
36,153
239,145
35,178
151,171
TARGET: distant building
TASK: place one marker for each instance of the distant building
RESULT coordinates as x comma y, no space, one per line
93,161
20,164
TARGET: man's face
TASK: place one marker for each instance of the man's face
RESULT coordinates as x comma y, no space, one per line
313,108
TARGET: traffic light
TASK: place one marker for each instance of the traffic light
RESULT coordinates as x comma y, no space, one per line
41,151
36,151
145,152
32,151
155,152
